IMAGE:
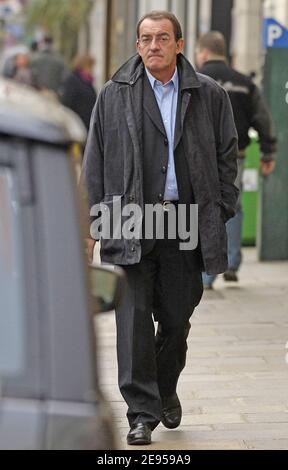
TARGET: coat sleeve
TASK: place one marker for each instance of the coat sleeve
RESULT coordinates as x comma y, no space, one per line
261,121
92,175
68,93
227,153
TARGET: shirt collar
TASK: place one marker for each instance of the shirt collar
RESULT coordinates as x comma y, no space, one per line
154,81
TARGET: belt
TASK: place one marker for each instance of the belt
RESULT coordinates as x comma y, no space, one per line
168,204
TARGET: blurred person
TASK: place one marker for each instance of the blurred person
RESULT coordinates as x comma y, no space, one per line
78,92
8,67
151,142
34,46
22,71
250,111
48,68
8,59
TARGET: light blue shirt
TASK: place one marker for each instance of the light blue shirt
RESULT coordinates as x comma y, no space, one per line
167,99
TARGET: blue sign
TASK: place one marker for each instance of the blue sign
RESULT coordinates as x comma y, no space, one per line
274,34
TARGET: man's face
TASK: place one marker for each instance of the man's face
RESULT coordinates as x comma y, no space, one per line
157,45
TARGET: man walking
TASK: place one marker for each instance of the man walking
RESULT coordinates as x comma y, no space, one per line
160,135
249,111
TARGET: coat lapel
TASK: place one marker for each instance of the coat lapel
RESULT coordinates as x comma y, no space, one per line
151,107
183,103
188,83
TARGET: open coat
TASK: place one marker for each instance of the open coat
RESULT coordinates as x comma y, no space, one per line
113,159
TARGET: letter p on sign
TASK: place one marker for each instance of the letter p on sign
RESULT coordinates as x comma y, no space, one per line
274,32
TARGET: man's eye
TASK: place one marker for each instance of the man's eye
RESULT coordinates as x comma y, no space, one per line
164,39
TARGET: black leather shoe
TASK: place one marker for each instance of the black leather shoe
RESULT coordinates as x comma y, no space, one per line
171,412
139,435
230,276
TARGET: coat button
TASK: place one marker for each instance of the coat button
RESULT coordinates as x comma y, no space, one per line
131,198
133,249
166,142
164,169
160,197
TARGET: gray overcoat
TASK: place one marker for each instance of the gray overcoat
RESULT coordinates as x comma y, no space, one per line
112,164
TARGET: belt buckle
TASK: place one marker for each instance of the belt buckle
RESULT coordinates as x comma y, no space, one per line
166,206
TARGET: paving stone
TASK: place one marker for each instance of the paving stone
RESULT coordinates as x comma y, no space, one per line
204,419
277,444
266,417
254,430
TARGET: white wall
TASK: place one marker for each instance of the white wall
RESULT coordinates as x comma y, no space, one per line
145,6
191,31
277,9
98,40
246,43
205,15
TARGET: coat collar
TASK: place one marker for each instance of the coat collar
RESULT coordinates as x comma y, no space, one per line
130,72
134,68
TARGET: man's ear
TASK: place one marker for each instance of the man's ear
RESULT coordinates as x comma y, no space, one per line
180,46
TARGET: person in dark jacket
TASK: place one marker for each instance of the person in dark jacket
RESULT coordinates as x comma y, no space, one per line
161,137
250,111
78,92
48,68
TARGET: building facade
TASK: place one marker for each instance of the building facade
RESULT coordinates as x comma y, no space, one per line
113,33
113,29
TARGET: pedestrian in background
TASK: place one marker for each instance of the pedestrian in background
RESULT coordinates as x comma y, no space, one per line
78,92
250,111
48,68
8,59
160,134
22,72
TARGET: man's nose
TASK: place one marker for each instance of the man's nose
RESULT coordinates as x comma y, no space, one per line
154,44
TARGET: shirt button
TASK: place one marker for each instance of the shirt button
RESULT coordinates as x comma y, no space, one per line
164,169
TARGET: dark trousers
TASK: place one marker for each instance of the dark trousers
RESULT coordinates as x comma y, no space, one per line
162,285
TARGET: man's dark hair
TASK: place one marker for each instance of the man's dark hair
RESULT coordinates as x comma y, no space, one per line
156,15
214,41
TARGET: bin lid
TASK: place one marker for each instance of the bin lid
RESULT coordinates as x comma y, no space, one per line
24,112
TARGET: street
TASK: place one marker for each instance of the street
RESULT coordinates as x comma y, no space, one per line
234,388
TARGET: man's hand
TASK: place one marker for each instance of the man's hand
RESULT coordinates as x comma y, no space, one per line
90,245
267,167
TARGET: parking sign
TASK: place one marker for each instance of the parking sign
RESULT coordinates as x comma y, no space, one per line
275,35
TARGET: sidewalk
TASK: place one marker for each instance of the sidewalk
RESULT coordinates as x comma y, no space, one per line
234,390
